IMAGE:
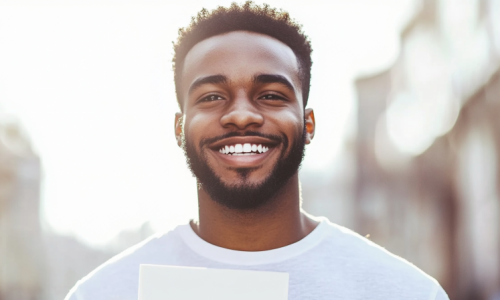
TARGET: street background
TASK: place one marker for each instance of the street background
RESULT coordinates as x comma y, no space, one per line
407,150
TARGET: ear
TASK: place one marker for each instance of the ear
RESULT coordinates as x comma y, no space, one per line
310,124
178,128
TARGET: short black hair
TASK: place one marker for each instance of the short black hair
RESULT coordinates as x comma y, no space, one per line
247,17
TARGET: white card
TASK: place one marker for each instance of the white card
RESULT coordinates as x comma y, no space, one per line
186,283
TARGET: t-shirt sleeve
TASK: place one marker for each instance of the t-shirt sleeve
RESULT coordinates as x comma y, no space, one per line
441,294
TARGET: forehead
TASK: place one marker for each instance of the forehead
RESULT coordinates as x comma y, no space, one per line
240,55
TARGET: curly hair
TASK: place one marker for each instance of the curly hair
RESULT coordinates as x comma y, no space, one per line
248,17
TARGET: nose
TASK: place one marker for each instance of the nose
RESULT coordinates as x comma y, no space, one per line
242,114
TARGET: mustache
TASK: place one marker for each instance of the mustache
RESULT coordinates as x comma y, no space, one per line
272,137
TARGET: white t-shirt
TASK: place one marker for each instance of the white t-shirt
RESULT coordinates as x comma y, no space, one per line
332,262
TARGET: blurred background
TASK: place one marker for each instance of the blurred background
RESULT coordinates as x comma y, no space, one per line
407,102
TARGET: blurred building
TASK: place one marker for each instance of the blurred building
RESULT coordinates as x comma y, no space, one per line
37,264
428,148
69,260
21,251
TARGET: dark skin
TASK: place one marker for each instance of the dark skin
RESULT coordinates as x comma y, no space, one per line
238,82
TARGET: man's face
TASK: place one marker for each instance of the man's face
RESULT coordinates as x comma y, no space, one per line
244,130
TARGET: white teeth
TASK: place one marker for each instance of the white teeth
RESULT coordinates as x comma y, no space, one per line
247,148
244,149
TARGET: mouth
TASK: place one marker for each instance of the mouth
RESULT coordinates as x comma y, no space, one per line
244,151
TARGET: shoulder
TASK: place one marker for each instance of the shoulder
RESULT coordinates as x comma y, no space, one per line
118,277
365,261
349,245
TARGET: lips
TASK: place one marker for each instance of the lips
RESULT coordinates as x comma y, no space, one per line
243,151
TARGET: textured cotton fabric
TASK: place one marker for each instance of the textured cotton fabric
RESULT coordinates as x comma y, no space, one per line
332,262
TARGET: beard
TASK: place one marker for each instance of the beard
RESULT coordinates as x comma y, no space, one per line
245,196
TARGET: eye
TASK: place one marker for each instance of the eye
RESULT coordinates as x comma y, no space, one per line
272,97
211,98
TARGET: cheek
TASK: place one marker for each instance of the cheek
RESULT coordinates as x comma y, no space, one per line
202,120
288,122
198,126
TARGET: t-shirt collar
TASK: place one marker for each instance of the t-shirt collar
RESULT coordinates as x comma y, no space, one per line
227,256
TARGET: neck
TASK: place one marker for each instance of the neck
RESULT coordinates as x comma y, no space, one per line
278,223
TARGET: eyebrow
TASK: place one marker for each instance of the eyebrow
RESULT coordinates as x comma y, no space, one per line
212,79
273,78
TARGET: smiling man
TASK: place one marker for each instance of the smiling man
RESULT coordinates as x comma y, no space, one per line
242,78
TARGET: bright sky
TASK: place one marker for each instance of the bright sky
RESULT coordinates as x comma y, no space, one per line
92,84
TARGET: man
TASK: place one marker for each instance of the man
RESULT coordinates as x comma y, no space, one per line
242,80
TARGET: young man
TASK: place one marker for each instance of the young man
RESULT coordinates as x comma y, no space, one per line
242,79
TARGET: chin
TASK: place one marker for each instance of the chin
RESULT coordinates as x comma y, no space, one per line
243,184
